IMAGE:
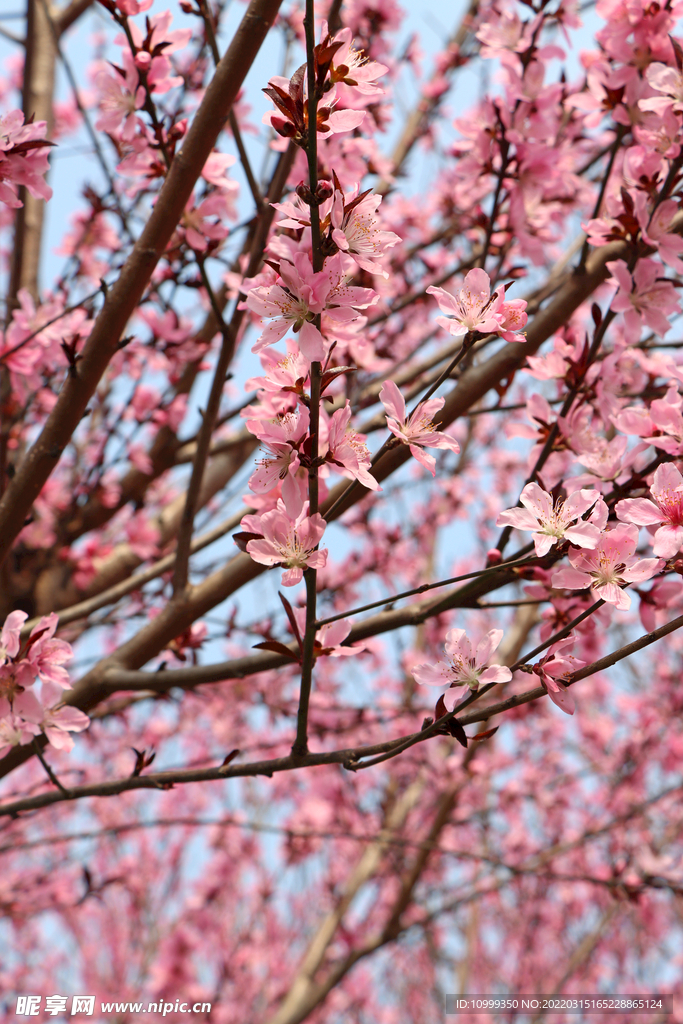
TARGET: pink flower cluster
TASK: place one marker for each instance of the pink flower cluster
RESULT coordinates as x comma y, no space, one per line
23,158
25,710
464,665
474,310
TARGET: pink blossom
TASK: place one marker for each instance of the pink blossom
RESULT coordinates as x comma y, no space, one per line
200,231
643,297
353,67
143,537
287,541
23,158
463,665
328,639
10,639
473,308
133,7
417,431
611,566
281,439
667,509
346,449
281,373
663,594
121,97
655,228
554,667
513,317
58,720
15,731
667,81
554,521
46,655
357,231
294,303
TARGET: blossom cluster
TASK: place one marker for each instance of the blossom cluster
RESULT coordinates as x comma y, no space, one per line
23,158
327,313
27,711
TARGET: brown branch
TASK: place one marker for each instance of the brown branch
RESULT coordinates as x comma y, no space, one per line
71,13
350,757
111,595
38,91
471,388
209,416
166,444
125,295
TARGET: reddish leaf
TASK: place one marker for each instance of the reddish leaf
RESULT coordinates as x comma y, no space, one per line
275,645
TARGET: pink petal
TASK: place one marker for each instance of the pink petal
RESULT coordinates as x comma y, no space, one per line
428,461
495,674
537,501
311,343
584,535
579,502
668,541
613,594
640,511
393,401
570,579
667,478
487,646
519,518
563,698
432,675
543,543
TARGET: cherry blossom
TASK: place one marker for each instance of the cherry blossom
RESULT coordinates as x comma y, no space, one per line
356,230
347,450
667,81
280,539
59,720
281,439
555,668
122,96
554,519
464,664
47,654
417,430
666,509
23,158
609,567
645,297
353,67
473,308
329,638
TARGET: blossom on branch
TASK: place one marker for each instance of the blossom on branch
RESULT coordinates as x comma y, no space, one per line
554,668
464,665
645,297
25,711
347,450
356,230
281,440
23,158
665,511
279,538
609,567
473,308
417,430
553,522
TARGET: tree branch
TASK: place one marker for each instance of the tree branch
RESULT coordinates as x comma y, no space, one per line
125,295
